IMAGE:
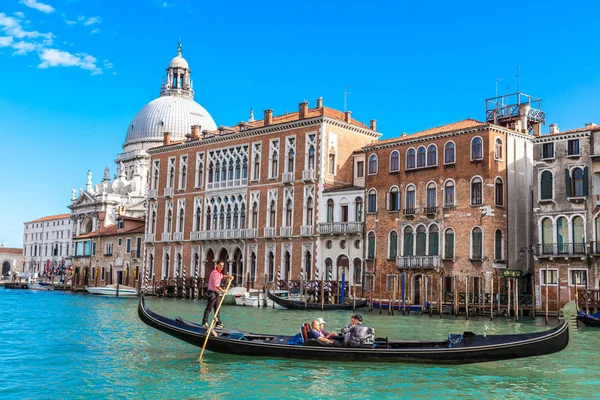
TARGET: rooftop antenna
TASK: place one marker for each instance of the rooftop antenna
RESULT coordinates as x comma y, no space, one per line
517,76
346,93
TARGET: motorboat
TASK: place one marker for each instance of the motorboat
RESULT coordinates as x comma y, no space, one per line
114,290
40,286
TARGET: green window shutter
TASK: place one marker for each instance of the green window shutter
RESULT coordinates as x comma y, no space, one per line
546,186
585,181
433,244
449,242
408,244
568,182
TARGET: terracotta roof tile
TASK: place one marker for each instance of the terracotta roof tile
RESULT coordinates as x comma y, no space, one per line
10,250
454,126
51,218
583,129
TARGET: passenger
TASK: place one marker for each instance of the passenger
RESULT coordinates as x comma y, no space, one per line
315,333
328,335
357,334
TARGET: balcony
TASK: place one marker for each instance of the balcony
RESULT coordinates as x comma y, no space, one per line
169,192
251,232
547,250
227,184
424,262
287,177
306,230
149,237
269,232
195,235
410,212
308,175
153,193
285,231
135,254
430,210
178,236
165,237
340,228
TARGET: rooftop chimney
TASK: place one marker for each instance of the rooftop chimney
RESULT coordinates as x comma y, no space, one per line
320,102
373,125
167,139
347,116
303,109
195,132
268,117
554,129
590,125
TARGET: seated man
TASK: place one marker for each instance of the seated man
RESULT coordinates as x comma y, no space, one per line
357,334
315,333
328,335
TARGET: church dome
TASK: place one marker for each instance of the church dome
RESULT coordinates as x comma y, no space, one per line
178,62
173,114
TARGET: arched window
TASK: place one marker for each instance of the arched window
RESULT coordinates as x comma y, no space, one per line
308,265
394,199
236,216
562,235
546,185
431,155
577,183
274,164
359,209
431,197
547,236
228,218
330,206
255,215
332,162
256,171
179,264
393,245
357,271
578,235
166,266
208,219
291,157
476,243
311,157
408,241
421,242
434,240
272,214
449,156
237,169
498,245
328,269
198,219
270,267
476,148
410,158
476,191
171,177
449,244
394,161
498,146
372,201
181,215
245,168
410,199
183,176
371,245
243,217
150,267
153,222
372,164
169,221
449,194
309,212
288,213
421,156
499,190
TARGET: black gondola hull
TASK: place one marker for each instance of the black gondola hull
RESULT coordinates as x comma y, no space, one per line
470,349
300,305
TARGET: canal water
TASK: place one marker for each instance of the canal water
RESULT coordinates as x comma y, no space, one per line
59,345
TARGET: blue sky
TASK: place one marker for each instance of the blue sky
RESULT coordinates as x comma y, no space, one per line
74,73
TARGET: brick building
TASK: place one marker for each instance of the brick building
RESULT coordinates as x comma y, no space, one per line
110,254
449,203
566,208
250,195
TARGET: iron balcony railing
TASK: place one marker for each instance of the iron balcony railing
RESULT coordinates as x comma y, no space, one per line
340,227
411,211
559,249
425,262
430,210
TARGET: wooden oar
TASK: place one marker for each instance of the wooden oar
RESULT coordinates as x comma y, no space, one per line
214,320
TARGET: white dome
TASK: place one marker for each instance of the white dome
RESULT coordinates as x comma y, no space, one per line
178,62
173,114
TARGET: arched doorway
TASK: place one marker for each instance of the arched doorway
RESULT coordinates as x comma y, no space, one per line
210,263
357,272
308,265
342,264
238,267
416,289
328,269
5,268
224,258
287,267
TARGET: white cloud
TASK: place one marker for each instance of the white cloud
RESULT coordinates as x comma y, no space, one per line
19,14
23,47
94,31
108,64
6,41
70,22
91,21
12,27
45,8
58,58
80,18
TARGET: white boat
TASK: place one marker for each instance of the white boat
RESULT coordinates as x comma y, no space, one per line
111,290
40,286
256,298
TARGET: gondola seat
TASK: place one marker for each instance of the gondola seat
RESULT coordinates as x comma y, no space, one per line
305,330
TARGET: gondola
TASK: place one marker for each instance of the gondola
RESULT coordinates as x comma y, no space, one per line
589,319
301,305
457,349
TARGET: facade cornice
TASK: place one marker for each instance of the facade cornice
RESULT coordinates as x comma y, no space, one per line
250,133
554,138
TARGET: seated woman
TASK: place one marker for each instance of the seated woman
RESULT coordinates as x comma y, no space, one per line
315,333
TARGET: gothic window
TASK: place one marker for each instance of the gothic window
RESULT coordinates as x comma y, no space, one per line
332,162
311,157
434,240
330,205
408,241
199,169
309,212
359,209
210,172
272,211
288,213
169,221
393,245
421,240
208,219
255,215
198,220
183,172
181,218
155,175
271,267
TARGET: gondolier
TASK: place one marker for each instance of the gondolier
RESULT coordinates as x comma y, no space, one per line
214,293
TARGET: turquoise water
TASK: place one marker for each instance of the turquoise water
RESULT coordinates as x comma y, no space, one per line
62,345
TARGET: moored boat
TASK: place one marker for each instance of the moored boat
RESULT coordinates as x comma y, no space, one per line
302,305
589,319
113,290
457,349
40,286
